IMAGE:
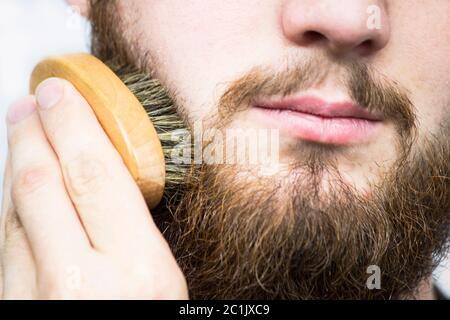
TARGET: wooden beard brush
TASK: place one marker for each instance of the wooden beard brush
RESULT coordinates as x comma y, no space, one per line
135,112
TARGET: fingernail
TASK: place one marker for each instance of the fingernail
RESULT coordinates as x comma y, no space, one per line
49,93
20,110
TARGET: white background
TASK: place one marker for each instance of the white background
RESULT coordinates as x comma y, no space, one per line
29,31
32,29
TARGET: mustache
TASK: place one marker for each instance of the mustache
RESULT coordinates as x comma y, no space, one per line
365,87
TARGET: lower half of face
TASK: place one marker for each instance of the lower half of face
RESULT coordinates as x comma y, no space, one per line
235,69
314,166
307,117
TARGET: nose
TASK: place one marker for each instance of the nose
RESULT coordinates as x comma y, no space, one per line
341,27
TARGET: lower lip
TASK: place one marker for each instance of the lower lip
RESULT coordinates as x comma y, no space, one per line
314,128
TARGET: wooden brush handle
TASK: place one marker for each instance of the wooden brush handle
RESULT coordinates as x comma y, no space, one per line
119,112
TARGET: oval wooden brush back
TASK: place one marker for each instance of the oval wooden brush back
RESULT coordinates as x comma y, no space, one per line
119,112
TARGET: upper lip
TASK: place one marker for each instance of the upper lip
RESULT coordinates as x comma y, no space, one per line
319,107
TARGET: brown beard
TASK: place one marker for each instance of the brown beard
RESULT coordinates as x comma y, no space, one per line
288,238
247,240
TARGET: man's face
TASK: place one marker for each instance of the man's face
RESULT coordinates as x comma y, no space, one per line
198,48
355,88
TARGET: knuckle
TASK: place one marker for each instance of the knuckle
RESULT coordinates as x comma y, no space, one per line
85,174
32,179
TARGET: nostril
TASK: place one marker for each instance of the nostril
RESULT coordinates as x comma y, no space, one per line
366,46
366,43
312,37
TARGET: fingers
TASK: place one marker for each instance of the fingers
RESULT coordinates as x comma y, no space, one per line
6,203
38,193
70,189
19,272
107,199
17,276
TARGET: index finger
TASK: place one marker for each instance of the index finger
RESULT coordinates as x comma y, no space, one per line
110,204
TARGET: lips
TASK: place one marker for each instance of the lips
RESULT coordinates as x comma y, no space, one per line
313,119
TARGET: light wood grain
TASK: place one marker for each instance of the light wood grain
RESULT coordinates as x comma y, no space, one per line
119,112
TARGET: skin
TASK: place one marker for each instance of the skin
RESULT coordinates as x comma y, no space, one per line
196,54
70,236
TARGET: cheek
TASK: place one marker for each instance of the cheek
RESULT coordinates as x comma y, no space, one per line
418,57
200,46
430,84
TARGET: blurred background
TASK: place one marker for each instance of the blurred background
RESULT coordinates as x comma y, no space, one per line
33,29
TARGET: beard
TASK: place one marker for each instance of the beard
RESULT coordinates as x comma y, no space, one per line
304,233
287,238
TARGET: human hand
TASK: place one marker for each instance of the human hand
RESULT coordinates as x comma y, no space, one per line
74,223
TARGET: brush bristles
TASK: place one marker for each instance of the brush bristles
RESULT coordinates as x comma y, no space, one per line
171,129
